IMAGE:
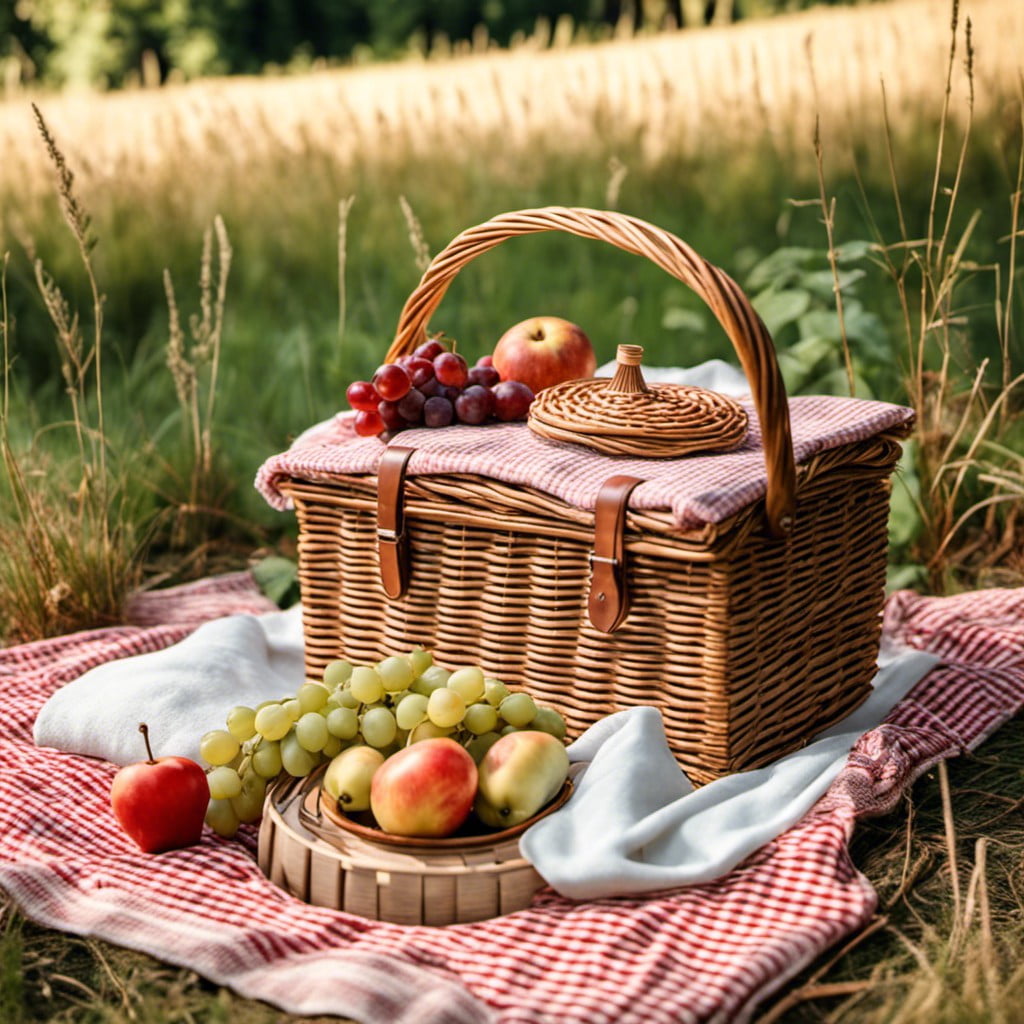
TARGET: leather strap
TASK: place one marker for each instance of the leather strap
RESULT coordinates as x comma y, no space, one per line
391,541
608,603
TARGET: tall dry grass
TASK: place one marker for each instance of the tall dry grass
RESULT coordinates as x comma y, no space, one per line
945,945
708,133
963,410
664,96
70,547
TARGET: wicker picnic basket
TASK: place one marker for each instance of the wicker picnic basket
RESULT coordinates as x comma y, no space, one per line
750,635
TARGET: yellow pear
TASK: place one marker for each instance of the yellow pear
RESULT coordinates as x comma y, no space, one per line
349,775
520,774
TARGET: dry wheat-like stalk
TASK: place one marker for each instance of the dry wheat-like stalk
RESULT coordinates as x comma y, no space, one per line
617,172
69,339
421,251
194,362
344,206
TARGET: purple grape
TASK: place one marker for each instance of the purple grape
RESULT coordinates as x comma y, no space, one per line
450,392
438,412
362,396
430,387
451,368
368,423
419,370
410,408
429,350
474,405
391,382
487,376
512,400
390,416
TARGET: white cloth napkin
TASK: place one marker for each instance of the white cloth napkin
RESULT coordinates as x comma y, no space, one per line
715,375
180,692
635,823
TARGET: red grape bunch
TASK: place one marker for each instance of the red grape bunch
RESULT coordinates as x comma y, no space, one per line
434,387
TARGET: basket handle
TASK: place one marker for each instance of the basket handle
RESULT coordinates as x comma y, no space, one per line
725,298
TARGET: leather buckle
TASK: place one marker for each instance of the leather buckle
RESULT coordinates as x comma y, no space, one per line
392,551
608,602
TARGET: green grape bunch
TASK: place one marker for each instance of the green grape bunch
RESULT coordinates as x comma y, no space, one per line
386,706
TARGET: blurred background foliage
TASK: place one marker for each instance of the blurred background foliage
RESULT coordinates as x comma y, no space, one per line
115,42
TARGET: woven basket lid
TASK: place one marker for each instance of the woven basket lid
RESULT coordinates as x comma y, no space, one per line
624,415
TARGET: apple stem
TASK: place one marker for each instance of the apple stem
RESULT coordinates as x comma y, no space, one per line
144,729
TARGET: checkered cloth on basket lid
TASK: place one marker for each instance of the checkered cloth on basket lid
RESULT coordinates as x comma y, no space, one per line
697,489
705,953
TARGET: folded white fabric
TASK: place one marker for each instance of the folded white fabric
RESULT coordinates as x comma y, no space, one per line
635,823
715,375
180,692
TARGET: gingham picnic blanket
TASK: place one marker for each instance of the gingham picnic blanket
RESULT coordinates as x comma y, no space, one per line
705,953
697,489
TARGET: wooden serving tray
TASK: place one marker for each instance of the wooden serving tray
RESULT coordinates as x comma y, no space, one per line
330,860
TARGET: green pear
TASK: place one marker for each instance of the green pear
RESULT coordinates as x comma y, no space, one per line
520,774
349,775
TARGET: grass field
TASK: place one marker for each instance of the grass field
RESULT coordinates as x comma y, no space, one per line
709,134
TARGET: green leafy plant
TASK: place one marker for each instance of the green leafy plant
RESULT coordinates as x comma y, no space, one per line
822,351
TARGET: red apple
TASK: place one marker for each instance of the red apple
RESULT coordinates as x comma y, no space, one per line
427,789
161,802
543,351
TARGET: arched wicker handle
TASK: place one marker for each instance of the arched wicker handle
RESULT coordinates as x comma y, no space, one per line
723,296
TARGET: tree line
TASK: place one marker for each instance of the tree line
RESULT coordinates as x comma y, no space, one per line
111,43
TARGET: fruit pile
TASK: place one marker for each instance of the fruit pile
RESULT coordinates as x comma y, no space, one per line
434,387
402,718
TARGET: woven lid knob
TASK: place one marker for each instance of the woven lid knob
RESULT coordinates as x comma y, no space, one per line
628,377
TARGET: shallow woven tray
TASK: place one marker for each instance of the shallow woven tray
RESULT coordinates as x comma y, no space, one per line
623,415
311,857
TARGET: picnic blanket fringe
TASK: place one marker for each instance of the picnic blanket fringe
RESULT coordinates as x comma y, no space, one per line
705,953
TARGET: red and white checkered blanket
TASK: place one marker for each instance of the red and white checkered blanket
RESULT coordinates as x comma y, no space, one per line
697,489
707,953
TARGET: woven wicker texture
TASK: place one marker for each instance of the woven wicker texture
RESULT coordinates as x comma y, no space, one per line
323,865
724,298
750,636
747,644
623,415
